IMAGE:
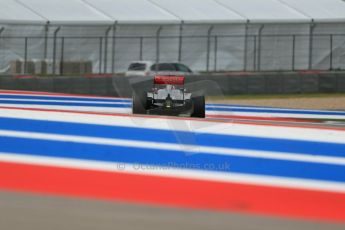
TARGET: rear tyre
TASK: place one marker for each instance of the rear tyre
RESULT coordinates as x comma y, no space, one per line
139,102
199,106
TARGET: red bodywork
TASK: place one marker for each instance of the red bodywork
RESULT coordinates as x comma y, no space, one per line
169,80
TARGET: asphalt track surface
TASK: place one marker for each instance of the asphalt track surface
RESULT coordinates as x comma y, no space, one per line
34,212
272,168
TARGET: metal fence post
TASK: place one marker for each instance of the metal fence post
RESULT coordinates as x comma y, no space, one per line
254,62
113,49
215,52
106,49
293,51
245,50
46,30
331,52
62,55
157,46
100,54
259,48
311,40
1,30
54,48
208,48
180,43
25,55
141,48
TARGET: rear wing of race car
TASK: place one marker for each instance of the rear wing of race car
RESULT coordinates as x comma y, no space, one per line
168,80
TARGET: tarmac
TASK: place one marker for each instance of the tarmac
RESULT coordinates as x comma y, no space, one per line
35,212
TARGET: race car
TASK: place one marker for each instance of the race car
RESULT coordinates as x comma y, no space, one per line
169,97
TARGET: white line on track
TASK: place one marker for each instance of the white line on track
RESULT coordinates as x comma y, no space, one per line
215,106
123,110
43,94
276,114
67,101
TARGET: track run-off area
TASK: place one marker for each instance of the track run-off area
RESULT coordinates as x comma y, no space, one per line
246,159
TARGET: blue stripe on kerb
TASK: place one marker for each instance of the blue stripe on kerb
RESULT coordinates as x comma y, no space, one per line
176,137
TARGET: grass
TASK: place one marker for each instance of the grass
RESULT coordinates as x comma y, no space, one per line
331,119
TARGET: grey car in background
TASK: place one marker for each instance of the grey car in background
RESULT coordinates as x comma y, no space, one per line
149,68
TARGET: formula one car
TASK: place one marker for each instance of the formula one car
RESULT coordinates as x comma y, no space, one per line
168,97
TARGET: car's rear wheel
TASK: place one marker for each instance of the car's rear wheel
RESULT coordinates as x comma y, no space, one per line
199,106
139,102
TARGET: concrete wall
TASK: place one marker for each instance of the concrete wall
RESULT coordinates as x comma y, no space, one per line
245,83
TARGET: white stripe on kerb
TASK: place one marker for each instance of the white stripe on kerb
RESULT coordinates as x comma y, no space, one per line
194,126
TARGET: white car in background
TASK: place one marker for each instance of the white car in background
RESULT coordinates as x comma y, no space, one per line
149,68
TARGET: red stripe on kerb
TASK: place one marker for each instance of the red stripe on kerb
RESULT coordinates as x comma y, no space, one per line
189,193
